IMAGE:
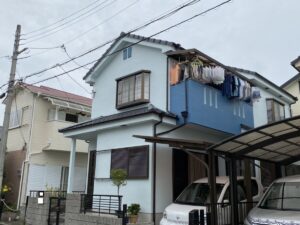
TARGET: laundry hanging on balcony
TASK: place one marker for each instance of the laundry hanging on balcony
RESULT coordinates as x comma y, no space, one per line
197,70
234,87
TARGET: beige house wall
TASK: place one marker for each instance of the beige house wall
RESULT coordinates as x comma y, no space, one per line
294,89
41,141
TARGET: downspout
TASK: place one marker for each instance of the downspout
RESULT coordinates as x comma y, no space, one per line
27,156
154,168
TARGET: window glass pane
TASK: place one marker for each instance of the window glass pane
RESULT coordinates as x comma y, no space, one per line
129,52
133,88
119,159
281,112
51,114
61,115
270,110
273,199
138,163
146,86
125,54
291,196
71,118
15,118
120,91
254,188
138,87
131,81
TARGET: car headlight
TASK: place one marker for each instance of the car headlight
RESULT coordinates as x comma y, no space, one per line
165,215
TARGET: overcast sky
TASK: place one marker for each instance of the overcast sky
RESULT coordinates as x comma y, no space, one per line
259,35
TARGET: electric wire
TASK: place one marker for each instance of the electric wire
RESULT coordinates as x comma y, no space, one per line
60,20
81,34
62,88
160,17
69,23
143,39
101,23
75,81
74,61
163,16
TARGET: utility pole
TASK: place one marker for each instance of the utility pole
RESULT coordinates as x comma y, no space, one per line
9,99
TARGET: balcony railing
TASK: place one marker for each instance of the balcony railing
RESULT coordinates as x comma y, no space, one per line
205,105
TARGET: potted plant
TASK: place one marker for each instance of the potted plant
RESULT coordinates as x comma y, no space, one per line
118,177
133,211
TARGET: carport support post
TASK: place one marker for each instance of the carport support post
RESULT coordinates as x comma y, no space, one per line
212,184
71,166
233,192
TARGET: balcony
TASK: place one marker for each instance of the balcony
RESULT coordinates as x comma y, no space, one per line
207,107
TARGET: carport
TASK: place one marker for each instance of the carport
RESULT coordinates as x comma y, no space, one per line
277,143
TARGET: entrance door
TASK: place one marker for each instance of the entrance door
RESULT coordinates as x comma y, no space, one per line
91,174
180,172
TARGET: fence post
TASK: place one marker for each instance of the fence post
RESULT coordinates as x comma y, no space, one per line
57,210
124,215
1,207
194,217
208,218
201,217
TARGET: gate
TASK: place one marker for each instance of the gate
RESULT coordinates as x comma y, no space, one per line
57,209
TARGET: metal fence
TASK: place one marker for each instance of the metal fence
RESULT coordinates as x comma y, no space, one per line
101,204
202,217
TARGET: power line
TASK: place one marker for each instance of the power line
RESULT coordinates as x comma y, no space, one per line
47,49
143,39
75,81
163,16
74,61
60,20
97,25
68,23
160,17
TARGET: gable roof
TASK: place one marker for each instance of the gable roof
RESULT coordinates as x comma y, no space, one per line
266,80
119,116
293,63
294,78
134,36
55,93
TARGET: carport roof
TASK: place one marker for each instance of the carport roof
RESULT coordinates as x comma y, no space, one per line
277,142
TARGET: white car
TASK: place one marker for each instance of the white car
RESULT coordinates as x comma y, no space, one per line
196,195
280,204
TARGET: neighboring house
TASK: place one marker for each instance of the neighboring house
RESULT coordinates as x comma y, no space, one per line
157,86
293,86
37,156
274,105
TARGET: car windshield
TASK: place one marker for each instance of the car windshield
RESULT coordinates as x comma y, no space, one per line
197,194
282,196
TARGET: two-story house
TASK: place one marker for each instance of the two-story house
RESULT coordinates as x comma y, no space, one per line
37,155
273,105
153,87
293,87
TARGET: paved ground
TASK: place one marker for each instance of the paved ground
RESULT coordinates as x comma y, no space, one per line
12,223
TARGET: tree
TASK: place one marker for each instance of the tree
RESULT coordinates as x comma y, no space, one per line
119,178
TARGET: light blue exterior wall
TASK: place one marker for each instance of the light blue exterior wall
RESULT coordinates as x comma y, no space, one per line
143,57
207,107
